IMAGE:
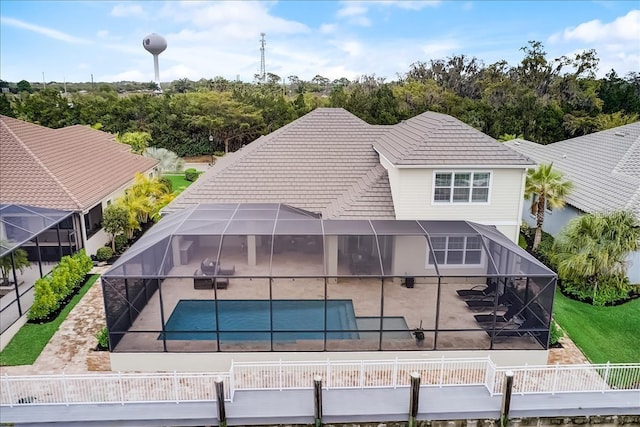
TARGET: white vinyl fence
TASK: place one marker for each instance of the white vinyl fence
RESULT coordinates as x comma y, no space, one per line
193,387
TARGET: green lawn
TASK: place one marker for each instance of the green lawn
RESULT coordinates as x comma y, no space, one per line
28,343
604,334
178,182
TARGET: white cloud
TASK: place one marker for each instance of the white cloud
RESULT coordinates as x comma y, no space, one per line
126,10
328,28
623,28
103,34
408,4
130,75
45,31
616,43
352,9
437,49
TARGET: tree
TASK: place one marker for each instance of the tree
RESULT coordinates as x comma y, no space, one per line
547,188
167,160
139,141
115,220
5,106
24,86
509,136
593,247
20,261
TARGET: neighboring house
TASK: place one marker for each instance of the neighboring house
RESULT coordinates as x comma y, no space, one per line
604,168
75,169
362,233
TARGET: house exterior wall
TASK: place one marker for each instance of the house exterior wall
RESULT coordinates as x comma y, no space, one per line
216,362
410,259
412,191
101,237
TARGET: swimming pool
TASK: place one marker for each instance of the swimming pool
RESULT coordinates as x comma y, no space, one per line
249,320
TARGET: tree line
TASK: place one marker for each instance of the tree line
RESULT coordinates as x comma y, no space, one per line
540,99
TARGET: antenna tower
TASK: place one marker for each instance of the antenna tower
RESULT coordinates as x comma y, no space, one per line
263,71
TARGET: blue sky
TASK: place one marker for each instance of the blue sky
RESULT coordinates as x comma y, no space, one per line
72,40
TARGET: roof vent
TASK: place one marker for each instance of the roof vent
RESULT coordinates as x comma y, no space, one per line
564,156
619,134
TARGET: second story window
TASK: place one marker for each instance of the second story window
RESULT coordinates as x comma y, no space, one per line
461,187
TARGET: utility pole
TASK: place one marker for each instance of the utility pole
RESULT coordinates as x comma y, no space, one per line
263,71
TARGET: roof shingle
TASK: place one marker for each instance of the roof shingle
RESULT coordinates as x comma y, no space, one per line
71,168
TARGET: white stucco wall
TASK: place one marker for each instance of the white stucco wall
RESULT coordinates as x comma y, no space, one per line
101,238
412,191
221,362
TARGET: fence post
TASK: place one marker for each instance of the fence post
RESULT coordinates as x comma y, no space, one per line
441,371
413,398
395,373
232,382
317,400
525,377
222,415
121,386
280,375
606,377
506,399
64,389
6,378
555,379
175,386
362,374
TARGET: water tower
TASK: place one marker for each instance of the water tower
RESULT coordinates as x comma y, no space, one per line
155,44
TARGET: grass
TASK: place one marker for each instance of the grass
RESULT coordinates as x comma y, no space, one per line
178,182
28,343
604,334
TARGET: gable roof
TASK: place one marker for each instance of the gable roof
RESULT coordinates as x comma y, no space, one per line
325,162
603,166
308,163
71,168
437,139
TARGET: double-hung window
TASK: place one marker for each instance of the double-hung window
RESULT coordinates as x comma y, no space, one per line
452,250
461,187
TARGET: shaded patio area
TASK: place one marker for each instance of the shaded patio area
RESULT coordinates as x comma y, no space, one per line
180,286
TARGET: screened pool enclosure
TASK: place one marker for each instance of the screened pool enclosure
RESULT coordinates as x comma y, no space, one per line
270,277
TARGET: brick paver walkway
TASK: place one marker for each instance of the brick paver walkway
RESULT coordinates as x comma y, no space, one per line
71,350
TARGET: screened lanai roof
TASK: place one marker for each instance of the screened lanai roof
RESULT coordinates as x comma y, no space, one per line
213,225
20,224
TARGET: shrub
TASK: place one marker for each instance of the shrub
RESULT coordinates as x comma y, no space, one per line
555,333
611,290
167,183
45,300
51,291
121,242
103,339
191,174
219,153
104,253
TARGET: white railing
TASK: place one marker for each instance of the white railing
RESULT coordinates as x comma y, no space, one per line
359,374
111,388
195,387
569,378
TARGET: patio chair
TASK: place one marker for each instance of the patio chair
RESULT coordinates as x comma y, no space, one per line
513,329
500,318
503,300
209,267
479,291
227,271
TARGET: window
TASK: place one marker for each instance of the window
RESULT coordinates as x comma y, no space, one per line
461,187
452,250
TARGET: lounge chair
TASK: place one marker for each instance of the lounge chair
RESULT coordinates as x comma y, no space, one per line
479,291
488,302
513,329
499,318
227,271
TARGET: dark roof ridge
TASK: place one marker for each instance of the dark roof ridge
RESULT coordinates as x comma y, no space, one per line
37,159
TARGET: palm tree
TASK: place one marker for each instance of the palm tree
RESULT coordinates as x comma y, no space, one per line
549,189
593,246
168,161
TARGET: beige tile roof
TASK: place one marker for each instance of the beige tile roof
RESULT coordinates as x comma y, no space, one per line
438,139
70,168
326,162
603,166
309,163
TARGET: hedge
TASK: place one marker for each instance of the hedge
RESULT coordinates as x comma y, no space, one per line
53,290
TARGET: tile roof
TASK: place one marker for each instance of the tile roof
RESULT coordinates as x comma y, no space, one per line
603,166
325,162
71,168
438,139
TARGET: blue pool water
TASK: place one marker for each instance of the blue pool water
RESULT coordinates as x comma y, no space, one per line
245,320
